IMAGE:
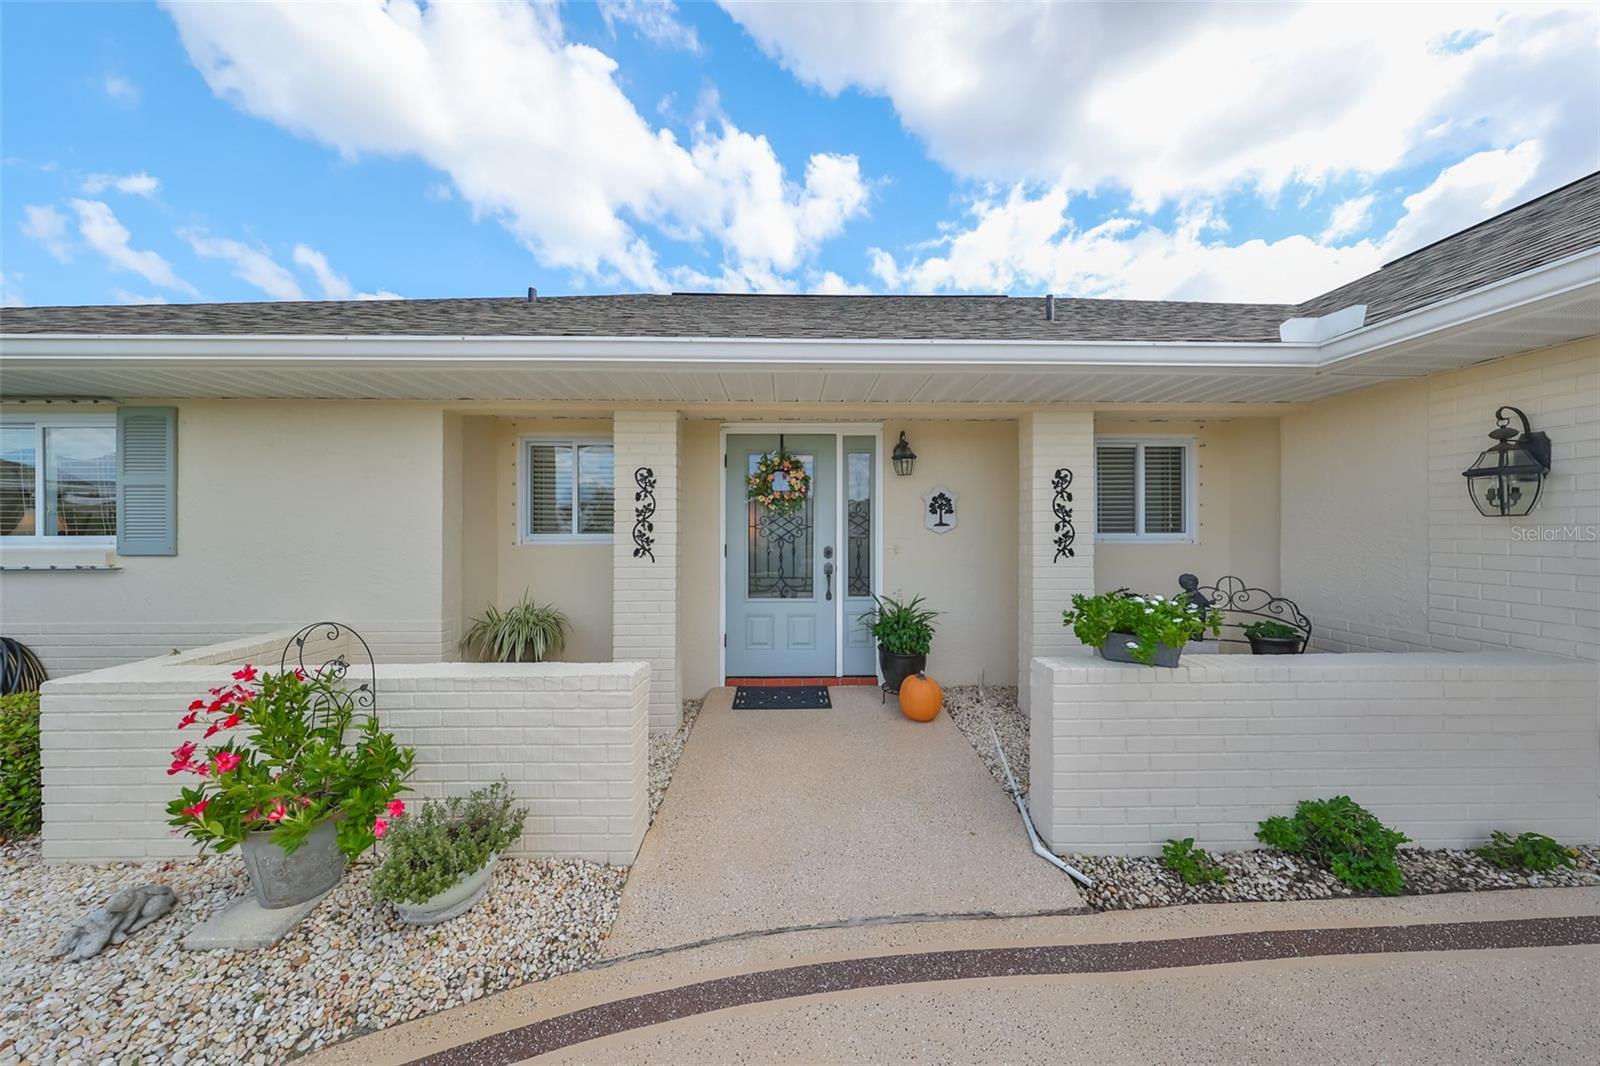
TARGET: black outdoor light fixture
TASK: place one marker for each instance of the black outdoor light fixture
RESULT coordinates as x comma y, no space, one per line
1505,480
904,457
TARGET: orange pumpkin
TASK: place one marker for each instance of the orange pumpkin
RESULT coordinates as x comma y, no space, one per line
920,698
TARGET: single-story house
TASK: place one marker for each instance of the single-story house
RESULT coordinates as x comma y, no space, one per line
172,476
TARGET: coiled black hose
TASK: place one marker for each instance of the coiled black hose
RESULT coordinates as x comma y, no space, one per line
20,669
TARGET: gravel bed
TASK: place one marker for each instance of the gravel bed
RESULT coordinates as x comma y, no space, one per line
348,968
665,751
972,710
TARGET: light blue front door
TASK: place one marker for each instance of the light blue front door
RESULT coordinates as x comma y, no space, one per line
784,570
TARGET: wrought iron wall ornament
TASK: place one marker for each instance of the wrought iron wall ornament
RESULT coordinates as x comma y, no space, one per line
644,511
339,696
1061,507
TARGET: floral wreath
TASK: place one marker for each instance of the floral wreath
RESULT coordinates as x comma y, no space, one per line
769,468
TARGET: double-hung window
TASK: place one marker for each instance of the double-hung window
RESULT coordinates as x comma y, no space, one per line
1144,489
566,489
58,480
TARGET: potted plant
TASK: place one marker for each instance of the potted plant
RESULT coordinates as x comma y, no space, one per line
904,632
526,633
308,789
1129,628
437,863
1273,638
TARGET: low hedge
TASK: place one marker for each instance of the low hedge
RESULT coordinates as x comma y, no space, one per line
20,789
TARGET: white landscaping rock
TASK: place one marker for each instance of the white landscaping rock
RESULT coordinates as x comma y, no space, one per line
665,751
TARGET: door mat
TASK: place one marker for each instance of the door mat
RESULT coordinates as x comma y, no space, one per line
781,698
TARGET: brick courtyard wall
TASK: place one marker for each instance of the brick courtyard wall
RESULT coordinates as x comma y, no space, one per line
570,738
1442,746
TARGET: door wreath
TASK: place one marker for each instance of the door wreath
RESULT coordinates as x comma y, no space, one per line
779,483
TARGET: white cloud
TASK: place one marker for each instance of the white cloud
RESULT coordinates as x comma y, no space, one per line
1196,100
100,230
832,284
1349,217
654,20
334,285
48,226
11,291
1479,186
123,296
251,265
140,184
121,90
532,129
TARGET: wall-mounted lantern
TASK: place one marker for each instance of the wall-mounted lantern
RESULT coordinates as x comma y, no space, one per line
904,457
1505,480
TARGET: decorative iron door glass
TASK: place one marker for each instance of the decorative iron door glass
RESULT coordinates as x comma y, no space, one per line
784,572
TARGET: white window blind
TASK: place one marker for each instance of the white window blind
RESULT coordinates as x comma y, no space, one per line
568,489
1143,490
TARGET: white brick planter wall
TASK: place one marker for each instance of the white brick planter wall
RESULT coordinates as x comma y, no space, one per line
1442,746
571,739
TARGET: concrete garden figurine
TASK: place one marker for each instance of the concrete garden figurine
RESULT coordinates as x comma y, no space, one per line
310,787
1129,628
437,863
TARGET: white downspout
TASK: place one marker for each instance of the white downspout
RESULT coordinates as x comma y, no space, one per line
1027,819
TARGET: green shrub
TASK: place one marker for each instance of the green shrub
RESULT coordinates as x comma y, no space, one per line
902,628
446,841
20,791
1271,631
1150,620
1525,851
1345,838
1194,865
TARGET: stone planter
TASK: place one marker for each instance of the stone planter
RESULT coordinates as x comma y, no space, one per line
455,900
896,668
282,880
1115,649
1273,645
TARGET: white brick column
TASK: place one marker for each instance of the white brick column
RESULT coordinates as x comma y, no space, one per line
1048,441
644,621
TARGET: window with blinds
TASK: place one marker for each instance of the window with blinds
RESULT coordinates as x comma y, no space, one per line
1143,490
567,490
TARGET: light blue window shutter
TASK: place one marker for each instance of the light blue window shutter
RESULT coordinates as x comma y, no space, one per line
147,481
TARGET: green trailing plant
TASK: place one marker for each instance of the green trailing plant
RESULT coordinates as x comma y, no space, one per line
1344,838
1271,631
20,786
901,628
446,842
526,633
1526,851
1194,865
1148,621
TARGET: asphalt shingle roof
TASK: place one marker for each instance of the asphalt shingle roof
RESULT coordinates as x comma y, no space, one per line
1552,227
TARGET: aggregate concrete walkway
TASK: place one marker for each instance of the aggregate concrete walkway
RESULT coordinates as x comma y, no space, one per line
1487,977
779,819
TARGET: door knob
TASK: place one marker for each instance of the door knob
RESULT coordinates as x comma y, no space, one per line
827,572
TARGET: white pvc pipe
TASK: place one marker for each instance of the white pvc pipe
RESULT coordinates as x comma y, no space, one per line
1027,820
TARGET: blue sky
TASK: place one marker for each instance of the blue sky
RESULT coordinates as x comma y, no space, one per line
271,151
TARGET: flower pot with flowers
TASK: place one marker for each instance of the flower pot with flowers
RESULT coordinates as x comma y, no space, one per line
1129,628
287,774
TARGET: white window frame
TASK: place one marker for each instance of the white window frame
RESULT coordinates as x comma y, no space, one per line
54,542
1191,509
524,489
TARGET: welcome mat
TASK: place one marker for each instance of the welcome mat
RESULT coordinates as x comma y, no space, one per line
781,698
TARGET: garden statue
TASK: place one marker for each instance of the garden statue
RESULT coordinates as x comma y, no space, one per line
125,913
1191,592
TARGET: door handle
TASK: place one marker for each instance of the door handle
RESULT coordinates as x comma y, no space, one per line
827,572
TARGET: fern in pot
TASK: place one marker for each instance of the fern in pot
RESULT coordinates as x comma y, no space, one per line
904,632
438,862
525,633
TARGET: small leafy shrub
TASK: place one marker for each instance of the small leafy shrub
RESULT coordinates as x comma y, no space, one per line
20,789
902,628
1271,631
307,759
1343,837
446,841
1525,851
1194,865
526,633
1150,620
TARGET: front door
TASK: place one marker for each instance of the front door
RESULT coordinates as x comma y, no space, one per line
784,570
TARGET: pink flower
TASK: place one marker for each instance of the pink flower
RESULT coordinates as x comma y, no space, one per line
247,674
198,809
197,705
397,808
231,721
225,761
299,675
188,719
380,827
277,813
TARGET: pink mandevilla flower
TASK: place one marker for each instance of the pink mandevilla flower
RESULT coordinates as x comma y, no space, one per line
397,808
277,813
247,674
225,761
188,719
379,827
198,809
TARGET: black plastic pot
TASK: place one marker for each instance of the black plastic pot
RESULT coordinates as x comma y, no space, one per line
896,668
1273,645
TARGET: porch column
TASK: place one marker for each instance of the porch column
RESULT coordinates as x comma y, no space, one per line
1051,565
645,559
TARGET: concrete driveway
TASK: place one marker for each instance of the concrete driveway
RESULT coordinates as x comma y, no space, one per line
784,819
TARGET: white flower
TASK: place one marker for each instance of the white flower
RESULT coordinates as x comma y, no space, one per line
1191,607
1149,610
1133,643
1157,599
1137,599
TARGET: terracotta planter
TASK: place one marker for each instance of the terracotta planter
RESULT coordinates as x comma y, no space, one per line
453,901
1115,649
282,880
896,668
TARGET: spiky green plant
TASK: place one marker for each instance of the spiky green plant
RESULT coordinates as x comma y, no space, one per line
526,633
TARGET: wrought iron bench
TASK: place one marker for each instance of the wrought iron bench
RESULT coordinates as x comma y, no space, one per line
1234,599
